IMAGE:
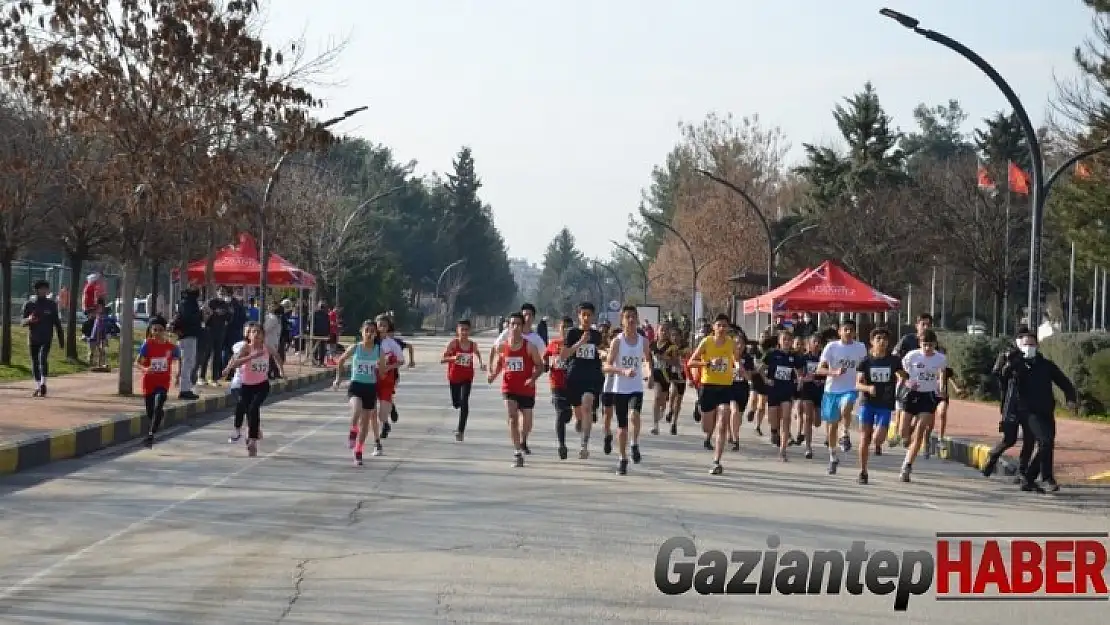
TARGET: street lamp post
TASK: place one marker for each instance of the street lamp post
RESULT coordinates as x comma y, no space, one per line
616,278
639,264
263,251
342,236
1039,191
443,274
773,247
693,266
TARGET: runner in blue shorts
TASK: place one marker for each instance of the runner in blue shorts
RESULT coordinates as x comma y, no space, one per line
839,362
877,382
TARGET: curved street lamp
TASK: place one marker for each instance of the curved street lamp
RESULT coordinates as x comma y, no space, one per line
639,264
439,280
1039,192
693,266
773,246
616,277
263,251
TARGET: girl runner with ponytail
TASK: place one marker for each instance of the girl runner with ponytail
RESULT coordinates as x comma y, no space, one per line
367,361
253,362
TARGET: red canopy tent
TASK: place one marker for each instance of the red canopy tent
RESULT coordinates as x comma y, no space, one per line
827,289
238,265
762,303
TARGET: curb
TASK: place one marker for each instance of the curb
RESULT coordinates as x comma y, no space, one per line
81,440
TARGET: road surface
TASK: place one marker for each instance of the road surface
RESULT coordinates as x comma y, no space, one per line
444,532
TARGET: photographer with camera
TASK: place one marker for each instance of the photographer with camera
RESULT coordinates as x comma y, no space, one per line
1027,402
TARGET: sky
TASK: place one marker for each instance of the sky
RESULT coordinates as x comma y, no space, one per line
568,105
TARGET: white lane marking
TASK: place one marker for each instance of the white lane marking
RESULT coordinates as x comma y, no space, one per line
77,555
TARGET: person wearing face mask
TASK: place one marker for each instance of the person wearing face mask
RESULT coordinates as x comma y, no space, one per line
1027,378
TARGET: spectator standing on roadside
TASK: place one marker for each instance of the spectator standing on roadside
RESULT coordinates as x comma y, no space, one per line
40,316
1027,379
253,313
273,330
219,316
286,328
236,321
188,324
321,331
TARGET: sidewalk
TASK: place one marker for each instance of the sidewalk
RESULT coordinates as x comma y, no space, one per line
1082,447
83,414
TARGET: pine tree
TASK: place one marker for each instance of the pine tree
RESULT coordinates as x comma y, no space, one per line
1002,142
873,158
564,279
939,137
472,235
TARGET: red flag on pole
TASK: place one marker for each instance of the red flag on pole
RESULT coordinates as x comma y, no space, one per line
1019,181
985,182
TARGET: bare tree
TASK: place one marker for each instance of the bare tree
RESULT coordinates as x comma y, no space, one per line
81,218
28,163
141,75
453,284
967,226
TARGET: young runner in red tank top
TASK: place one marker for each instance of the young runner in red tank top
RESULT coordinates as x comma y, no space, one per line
522,365
461,356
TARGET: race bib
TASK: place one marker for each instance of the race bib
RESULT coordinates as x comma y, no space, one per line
784,374
259,365
559,364
718,365
880,375
736,377
811,367
630,362
514,364
159,365
586,352
927,375
845,363
365,368
464,360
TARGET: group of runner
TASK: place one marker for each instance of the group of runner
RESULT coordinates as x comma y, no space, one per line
819,382
816,382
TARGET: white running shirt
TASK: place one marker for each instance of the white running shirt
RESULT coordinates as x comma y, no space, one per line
630,357
531,337
390,346
838,354
925,370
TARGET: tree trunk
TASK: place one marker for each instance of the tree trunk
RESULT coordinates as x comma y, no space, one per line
6,305
76,264
996,312
155,267
210,263
130,273
264,259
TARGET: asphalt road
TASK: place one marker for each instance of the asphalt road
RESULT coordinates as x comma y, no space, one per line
442,532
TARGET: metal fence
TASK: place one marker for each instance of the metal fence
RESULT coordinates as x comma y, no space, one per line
26,273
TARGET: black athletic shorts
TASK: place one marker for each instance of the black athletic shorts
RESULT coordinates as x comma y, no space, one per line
364,392
778,394
813,393
920,403
606,400
660,380
713,395
523,402
759,385
624,404
577,388
741,391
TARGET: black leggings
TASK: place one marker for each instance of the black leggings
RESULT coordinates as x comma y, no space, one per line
460,399
155,409
40,355
249,406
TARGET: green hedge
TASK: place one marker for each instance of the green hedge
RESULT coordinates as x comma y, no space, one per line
1083,357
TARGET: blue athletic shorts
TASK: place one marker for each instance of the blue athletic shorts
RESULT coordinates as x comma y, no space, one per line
833,403
874,416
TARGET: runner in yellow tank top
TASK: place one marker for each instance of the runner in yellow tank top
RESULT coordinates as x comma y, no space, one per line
716,356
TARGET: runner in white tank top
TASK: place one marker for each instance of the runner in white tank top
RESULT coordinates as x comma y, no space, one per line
629,361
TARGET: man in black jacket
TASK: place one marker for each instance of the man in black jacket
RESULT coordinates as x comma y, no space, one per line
188,324
40,316
1027,379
